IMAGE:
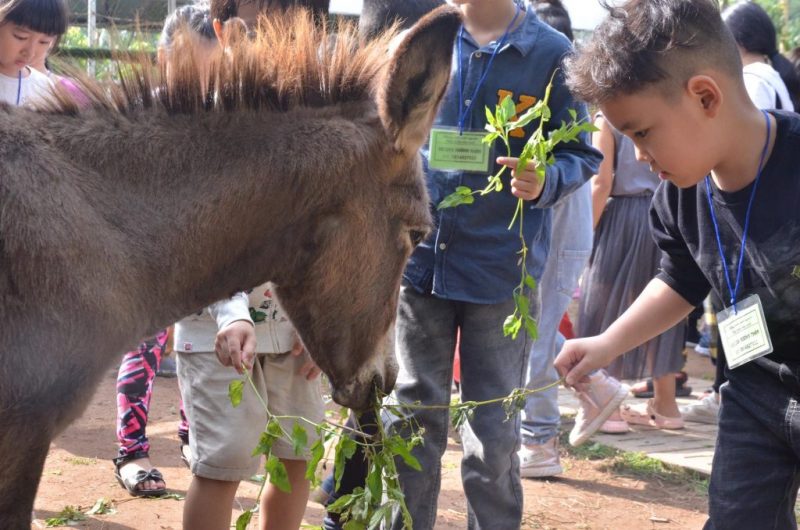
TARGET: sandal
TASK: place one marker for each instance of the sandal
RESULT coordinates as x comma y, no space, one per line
644,414
614,427
680,389
131,483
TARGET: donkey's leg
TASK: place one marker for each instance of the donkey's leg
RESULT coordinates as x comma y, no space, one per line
37,413
23,448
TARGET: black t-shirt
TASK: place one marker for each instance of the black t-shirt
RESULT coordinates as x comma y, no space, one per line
682,227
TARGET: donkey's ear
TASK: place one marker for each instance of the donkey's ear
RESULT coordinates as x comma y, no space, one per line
417,77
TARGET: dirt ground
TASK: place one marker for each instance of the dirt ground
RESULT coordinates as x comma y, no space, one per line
588,495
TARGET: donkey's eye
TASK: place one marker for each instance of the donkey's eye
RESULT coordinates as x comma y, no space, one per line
416,237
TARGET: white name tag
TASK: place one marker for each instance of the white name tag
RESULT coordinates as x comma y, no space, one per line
744,334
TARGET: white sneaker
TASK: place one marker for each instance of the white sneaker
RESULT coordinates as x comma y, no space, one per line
541,460
603,396
705,410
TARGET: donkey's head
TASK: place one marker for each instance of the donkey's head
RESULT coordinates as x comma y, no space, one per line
318,138
345,303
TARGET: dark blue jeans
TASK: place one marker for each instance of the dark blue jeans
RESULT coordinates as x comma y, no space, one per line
756,470
491,366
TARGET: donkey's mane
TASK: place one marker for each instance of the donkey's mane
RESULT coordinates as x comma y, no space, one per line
290,61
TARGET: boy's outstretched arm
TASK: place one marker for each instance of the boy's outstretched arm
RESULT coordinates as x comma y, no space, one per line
657,309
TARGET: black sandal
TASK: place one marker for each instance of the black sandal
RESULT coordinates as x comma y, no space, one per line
681,389
131,483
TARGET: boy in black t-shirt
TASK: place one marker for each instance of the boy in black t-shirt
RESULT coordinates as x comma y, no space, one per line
667,74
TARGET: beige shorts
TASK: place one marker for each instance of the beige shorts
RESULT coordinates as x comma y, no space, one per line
221,437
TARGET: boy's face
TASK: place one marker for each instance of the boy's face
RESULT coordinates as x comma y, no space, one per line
671,136
20,46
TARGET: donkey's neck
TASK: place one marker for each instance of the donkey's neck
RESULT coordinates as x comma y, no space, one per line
214,203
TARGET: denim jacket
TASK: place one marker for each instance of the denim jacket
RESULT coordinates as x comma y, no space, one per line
471,255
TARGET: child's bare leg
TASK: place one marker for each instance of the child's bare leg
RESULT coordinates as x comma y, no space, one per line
209,504
284,511
664,396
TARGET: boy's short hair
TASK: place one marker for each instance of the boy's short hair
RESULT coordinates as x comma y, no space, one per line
644,43
223,10
44,16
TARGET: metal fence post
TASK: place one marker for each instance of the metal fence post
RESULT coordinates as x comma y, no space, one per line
91,30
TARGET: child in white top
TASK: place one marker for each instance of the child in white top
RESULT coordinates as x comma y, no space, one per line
249,331
28,28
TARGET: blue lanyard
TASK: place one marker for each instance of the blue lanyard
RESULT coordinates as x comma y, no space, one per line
734,290
19,86
465,112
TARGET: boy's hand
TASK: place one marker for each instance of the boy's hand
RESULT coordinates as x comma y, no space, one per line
235,345
579,357
309,370
525,182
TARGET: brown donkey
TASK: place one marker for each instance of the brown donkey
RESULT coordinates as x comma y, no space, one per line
298,165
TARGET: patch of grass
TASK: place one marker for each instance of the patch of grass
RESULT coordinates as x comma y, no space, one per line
637,465
642,466
590,451
81,461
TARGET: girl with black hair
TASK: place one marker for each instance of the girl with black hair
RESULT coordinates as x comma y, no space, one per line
28,28
769,77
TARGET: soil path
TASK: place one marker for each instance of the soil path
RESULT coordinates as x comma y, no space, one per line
78,472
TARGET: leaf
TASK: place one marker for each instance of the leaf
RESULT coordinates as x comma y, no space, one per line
462,195
235,390
67,516
490,138
299,438
528,116
353,524
271,432
380,515
461,414
522,303
514,403
277,474
101,507
525,156
511,326
374,481
317,452
243,520
491,123
398,447
509,110
173,496
341,504
345,449
530,282
531,328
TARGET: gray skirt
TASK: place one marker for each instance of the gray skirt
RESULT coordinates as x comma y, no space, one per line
624,259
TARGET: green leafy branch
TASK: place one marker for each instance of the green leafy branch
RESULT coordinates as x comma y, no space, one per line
538,149
367,507
70,515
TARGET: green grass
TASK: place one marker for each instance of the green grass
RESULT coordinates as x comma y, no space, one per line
637,465
81,461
